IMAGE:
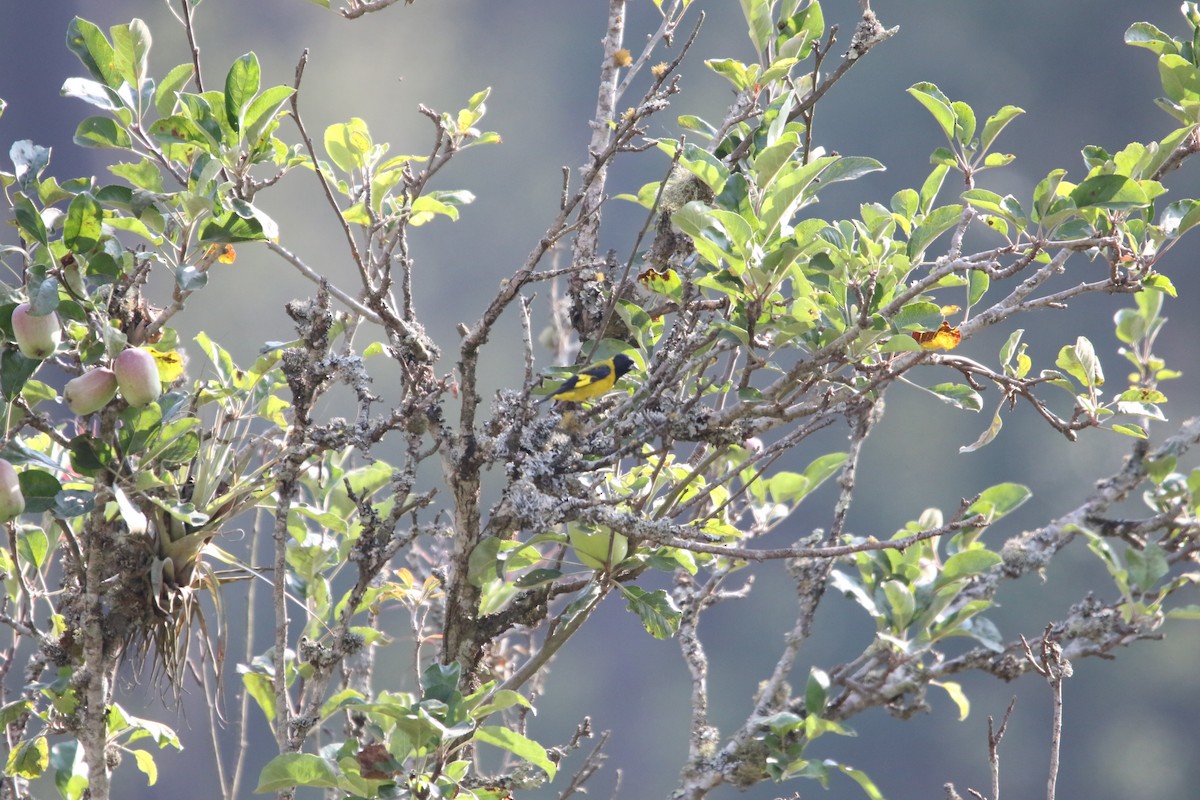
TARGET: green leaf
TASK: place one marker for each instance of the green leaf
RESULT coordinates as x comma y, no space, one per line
798,33
1180,78
143,175
43,295
932,226
101,132
73,503
758,16
145,763
1190,611
505,698
1010,346
29,220
40,489
1143,34
787,194
903,604
996,123
657,611
30,161
13,711
849,168
964,122
1114,192
180,129
93,93
771,159
518,745
987,436
822,468
348,144
15,369
737,73
858,776
131,51
999,500
89,44
82,229
537,577
241,85
32,545
440,682
169,87
967,563
1179,217
958,395
978,282
190,279
931,187
176,449
695,221
700,163
937,104
262,111
297,769
88,455
778,69
230,228
1147,566
260,688
1046,193
816,691
1080,362
919,313
28,759
1129,429
904,343
998,160
904,204
138,425
984,200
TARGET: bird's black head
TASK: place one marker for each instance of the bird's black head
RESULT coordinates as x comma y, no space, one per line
622,364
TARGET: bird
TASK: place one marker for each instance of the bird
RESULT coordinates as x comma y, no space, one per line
593,380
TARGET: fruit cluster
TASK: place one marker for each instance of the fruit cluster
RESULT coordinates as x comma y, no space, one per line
134,373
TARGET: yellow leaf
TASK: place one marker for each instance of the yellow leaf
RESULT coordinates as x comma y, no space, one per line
170,364
944,338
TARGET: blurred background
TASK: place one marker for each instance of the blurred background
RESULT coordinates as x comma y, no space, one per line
1129,723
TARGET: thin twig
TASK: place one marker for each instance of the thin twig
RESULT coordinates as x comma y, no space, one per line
994,737
1051,664
586,240
317,278
325,188
189,27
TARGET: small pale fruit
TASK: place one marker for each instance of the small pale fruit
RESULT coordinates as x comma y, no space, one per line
91,391
12,502
37,336
593,548
137,376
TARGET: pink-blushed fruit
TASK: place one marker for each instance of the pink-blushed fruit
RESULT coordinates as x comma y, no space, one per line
137,376
91,391
12,502
37,336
